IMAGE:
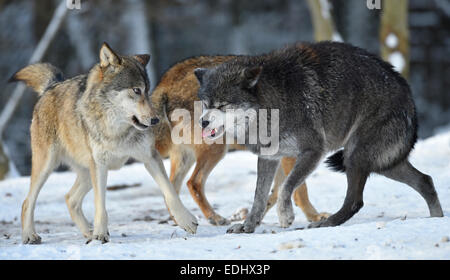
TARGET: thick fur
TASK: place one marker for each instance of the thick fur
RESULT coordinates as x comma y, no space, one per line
336,161
178,88
93,122
330,96
39,76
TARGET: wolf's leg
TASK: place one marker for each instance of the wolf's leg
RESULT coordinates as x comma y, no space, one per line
422,183
277,181
99,175
301,198
266,173
181,161
74,201
206,161
356,180
182,216
302,168
43,163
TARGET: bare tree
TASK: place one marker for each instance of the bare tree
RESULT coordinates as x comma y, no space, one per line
76,27
13,102
140,32
324,28
394,35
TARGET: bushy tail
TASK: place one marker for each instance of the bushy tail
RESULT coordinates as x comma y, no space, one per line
336,161
39,76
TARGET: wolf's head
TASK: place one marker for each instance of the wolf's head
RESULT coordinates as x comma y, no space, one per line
124,83
226,88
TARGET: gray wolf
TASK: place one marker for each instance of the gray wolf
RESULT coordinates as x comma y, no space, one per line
93,122
178,88
331,97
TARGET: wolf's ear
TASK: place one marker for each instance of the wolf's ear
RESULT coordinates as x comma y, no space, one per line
199,73
108,56
250,76
143,59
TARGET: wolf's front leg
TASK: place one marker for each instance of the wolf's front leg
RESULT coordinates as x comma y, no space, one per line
182,216
266,173
99,174
305,164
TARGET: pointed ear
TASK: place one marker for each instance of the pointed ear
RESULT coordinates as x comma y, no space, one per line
108,56
143,59
199,73
250,76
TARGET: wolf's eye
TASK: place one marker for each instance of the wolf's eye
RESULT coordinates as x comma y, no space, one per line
137,91
221,107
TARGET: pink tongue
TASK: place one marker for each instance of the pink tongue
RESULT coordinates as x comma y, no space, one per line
206,133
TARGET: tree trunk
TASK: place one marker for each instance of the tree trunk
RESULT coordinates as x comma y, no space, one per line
141,38
4,163
80,40
394,35
322,20
17,94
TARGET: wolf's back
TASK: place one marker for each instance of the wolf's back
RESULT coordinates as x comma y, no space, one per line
39,76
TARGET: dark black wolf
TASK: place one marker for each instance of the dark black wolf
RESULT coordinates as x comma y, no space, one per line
330,96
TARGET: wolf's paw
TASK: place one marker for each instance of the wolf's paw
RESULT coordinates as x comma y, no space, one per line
103,238
31,238
286,220
241,228
218,220
321,223
88,234
186,221
286,215
318,217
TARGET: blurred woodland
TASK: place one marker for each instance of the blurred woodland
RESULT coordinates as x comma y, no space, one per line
413,35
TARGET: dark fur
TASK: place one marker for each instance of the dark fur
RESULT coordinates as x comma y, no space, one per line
330,95
336,161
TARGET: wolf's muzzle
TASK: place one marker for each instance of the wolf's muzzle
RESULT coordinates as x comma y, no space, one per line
204,123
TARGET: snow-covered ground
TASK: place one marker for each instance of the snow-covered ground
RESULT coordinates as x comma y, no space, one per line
394,223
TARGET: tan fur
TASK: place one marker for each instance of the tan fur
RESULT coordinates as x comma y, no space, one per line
178,89
90,126
38,76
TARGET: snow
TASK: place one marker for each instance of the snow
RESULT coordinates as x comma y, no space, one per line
397,60
393,224
325,8
391,41
337,37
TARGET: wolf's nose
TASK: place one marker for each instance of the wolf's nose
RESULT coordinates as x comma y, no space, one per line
205,123
154,121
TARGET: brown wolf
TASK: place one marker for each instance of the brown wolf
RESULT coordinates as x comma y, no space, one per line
178,89
93,122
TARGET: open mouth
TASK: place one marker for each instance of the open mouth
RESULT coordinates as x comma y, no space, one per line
213,133
138,124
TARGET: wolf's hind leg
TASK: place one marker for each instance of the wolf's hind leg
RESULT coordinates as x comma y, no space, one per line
356,180
74,201
206,161
43,163
277,182
422,183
